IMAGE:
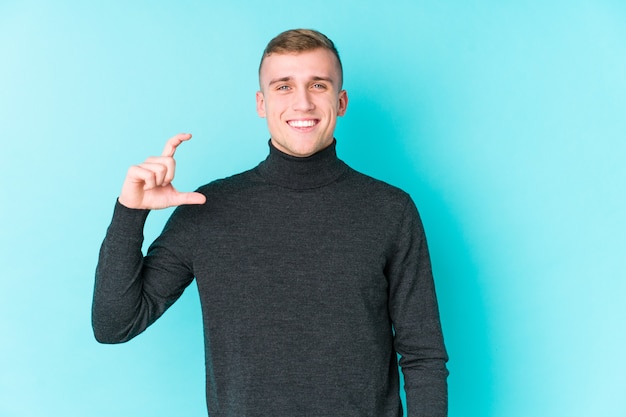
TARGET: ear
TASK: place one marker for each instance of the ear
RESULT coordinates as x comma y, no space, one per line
343,103
260,104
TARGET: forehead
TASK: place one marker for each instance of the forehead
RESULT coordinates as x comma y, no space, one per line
300,65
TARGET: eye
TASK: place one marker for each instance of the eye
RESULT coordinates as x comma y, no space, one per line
282,88
318,86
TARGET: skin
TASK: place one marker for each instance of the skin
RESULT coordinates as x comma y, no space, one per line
301,98
149,184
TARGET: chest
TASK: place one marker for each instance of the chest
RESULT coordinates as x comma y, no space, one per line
295,253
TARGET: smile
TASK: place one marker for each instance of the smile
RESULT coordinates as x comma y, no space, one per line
302,123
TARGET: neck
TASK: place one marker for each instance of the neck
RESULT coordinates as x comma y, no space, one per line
317,170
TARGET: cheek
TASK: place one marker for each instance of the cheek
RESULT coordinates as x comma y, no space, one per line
273,115
333,106
275,108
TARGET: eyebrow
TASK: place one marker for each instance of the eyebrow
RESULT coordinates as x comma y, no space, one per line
279,80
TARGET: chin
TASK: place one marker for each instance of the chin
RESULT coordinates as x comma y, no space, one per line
302,153
298,148
310,150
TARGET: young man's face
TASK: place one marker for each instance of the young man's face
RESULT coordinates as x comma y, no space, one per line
301,98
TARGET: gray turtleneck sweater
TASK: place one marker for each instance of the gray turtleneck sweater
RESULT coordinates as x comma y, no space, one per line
311,277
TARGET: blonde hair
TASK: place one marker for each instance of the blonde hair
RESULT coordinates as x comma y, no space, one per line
301,40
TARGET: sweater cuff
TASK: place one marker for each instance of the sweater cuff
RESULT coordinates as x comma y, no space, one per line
128,222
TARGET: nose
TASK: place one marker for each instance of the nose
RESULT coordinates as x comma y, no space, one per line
302,101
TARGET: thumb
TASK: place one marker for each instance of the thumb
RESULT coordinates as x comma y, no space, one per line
189,198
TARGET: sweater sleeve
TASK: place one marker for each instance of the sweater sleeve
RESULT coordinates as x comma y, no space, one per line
132,291
414,312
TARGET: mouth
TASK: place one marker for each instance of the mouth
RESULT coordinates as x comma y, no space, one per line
303,124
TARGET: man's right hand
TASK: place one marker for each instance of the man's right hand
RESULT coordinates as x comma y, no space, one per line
149,185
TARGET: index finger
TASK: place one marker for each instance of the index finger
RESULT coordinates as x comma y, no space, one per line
173,142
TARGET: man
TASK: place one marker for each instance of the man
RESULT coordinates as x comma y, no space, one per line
312,277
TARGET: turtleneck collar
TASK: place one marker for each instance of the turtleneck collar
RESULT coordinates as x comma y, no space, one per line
313,171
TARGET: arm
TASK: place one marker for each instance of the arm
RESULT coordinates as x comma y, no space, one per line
130,293
415,315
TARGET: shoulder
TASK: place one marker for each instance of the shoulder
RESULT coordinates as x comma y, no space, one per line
229,184
376,190
221,195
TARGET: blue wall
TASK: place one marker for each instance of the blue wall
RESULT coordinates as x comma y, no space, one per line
506,121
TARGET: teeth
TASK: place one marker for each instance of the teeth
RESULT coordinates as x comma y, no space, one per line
302,123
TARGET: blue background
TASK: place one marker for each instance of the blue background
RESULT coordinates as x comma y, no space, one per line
504,120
